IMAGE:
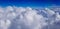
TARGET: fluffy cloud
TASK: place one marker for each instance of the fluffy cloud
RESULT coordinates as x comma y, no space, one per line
28,18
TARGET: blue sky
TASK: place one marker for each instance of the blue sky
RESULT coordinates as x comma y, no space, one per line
27,18
31,3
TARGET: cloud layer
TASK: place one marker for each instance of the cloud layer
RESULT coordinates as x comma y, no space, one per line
29,18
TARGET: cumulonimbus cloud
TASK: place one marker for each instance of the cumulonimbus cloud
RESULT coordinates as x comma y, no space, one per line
27,18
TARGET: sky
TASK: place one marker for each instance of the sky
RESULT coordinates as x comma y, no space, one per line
23,16
30,3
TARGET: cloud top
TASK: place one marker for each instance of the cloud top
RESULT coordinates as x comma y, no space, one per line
28,18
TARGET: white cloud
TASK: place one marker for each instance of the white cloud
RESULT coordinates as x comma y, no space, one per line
4,24
57,16
26,18
50,12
